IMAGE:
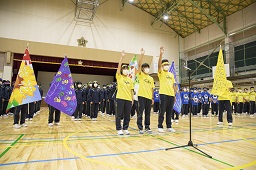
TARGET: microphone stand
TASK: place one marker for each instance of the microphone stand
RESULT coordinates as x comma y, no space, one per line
190,143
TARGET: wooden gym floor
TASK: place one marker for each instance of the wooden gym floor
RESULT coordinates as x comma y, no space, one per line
89,144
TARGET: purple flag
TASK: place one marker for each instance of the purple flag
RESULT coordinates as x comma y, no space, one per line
61,94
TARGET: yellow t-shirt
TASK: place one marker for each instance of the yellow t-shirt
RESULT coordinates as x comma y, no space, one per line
226,92
240,97
233,96
146,86
246,97
252,96
166,80
124,86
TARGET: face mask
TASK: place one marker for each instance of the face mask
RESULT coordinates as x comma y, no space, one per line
90,85
79,86
125,72
146,70
240,91
166,68
252,90
95,85
104,87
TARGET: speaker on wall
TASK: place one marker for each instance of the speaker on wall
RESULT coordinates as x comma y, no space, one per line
8,57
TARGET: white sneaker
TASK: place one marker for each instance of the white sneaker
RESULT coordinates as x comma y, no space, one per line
172,120
72,117
16,126
126,132
24,125
120,132
141,132
31,119
230,124
79,119
183,116
176,121
148,130
160,130
171,130
27,119
251,115
220,123
50,124
57,123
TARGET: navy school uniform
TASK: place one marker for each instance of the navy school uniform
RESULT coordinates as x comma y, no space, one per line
156,101
1,99
6,96
80,100
110,104
95,97
88,102
185,102
103,101
199,94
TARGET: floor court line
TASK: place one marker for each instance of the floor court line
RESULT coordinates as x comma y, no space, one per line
7,149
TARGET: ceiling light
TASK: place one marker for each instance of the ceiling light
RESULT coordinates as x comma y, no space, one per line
166,17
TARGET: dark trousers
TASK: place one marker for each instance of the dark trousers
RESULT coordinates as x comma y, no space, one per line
103,106
234,107
95,110
166,105
246,107
111,107
88,109
84,108
156,106
215,108
184,109
240,107
31,110
23,109
199,107
194,109
135,107
252,107
51,112
78,111
176,115
123,111
1,107
206,109
5,103
38,105
227,105
144,106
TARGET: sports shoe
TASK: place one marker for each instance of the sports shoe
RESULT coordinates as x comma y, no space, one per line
176,121
148,130
120,132
31,119
171,130
160,130
141,132
27,119
16,126
126,132
230,124
57,123
24,125
251,115
79,119
172,120
50,124
220,123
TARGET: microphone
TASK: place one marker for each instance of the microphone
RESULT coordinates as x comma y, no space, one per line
187,68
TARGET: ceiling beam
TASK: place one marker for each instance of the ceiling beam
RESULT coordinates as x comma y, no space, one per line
168,9
208,16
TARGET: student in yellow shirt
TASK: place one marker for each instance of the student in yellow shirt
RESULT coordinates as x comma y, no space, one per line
167,92
145,94
252,95
233,100
246,101
224,102
124,97
240,101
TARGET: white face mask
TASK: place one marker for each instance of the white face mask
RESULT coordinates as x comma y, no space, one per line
95,85
79,85
125,72
240,91
90,85
166,68
146,70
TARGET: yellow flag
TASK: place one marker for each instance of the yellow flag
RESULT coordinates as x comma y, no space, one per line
220,79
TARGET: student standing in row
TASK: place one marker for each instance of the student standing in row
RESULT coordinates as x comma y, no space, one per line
185,102
156,101
124,97
252,95
167,92
145,94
